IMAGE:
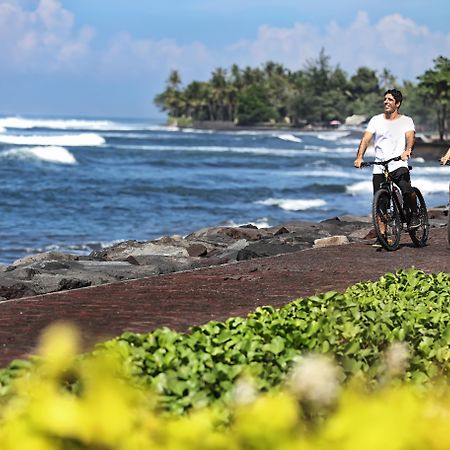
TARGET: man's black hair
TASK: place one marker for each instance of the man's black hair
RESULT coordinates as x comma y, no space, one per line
396,94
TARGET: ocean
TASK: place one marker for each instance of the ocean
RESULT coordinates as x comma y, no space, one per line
77,185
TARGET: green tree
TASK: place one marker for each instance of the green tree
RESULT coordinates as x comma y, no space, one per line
325,91
435,85
387,80
413,105
253,106
172,99
301,102
219,93
279,88
198,100
365,92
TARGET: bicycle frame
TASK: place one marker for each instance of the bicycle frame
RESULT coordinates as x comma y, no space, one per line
393,189
395,192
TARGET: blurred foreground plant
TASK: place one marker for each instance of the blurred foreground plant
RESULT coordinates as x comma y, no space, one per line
70,403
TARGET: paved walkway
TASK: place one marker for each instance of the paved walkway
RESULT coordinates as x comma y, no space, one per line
183,299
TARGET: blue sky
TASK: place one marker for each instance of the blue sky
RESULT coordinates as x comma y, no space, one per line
109,58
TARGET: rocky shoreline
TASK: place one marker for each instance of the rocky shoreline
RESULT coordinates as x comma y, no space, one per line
56,271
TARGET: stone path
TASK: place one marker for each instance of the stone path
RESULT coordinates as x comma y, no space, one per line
180,300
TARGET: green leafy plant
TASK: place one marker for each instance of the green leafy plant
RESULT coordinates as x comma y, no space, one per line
356,327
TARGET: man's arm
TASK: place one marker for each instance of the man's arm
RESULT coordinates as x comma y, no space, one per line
410,137
365,141
446,157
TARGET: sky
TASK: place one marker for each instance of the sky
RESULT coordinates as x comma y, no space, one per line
109,58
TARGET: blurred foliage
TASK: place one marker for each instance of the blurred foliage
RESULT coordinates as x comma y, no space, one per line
108,412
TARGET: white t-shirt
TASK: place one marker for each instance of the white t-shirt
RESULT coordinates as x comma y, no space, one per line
390,139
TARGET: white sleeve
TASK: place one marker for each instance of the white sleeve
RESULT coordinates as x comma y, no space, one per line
371,126
409,125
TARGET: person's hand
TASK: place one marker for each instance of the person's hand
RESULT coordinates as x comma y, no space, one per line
405,155
445,159
357,163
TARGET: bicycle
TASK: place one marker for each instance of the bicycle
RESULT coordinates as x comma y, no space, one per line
391,215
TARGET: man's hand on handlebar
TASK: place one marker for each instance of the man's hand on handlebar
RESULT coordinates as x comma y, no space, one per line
405,155
358,163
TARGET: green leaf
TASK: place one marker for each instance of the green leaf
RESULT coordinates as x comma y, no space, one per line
276,346
446,334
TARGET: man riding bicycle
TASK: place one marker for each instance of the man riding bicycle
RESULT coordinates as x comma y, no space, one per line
394,136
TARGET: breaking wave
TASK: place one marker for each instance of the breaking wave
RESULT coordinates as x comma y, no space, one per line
58,155
293,204
68,140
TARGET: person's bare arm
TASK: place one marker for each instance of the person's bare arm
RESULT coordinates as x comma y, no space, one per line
410,137
446,157
365,141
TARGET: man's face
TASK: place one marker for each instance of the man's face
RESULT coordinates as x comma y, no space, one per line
390,105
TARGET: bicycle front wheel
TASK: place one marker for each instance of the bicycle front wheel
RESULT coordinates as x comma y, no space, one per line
419,235
386,220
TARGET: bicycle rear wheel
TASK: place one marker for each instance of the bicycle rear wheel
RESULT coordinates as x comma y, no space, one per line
386,220
420,234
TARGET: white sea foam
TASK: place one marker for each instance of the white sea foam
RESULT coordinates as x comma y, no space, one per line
81,124
260,223
430,170
327,173
60,124
332,152
192,130
351,141
362,187
54,154
215,149
68,140
332,135
293,204
289,137
427,186
77,124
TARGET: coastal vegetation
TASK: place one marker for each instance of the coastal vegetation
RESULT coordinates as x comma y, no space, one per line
365,368
320,94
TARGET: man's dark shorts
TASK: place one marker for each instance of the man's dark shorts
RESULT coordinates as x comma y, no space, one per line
401,178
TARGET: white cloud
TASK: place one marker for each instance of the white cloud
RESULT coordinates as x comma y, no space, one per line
134,58
47,39
290,46
395,42
42,40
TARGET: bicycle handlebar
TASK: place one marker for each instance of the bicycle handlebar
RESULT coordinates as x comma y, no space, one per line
380,163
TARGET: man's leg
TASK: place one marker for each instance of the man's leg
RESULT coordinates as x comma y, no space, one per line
403,180
377,179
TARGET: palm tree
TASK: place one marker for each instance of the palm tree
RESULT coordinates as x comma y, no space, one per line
435,85
387,79
174,80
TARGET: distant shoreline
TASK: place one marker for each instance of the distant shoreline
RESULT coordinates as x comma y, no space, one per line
428,150
218,125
